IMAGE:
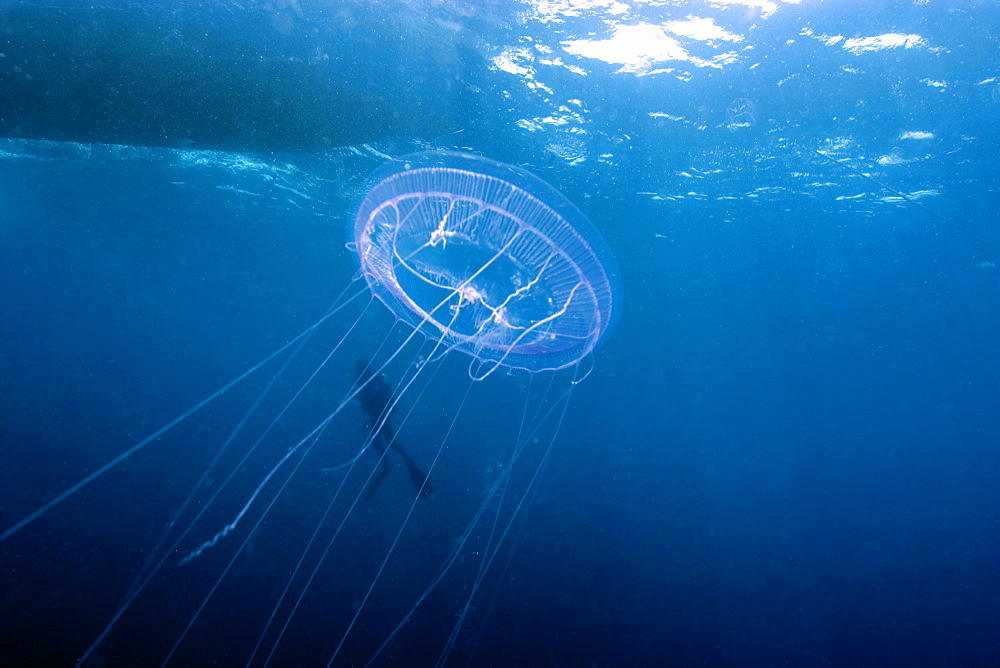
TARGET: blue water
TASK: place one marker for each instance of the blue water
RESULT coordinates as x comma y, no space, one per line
785,453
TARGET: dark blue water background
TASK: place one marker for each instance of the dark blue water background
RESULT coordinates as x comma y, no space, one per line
787,452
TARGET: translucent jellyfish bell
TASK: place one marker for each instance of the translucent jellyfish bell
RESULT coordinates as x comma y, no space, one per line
488,259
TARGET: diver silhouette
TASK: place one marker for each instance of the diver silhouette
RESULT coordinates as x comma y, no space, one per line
375,398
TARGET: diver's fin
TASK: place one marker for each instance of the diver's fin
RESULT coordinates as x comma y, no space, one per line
417,476
377,481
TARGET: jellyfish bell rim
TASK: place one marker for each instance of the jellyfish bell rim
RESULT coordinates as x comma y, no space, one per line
588,238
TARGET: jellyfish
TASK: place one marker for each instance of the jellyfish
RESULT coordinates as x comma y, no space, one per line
471,274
